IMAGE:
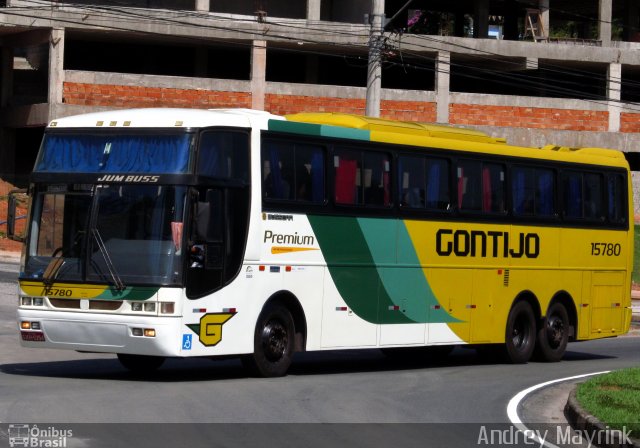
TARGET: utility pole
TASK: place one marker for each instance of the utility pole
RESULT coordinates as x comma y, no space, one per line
374,71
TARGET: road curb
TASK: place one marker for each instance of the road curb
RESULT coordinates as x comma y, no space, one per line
581,420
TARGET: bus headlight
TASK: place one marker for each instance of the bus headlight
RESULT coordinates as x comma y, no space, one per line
150,307
31,301
167,307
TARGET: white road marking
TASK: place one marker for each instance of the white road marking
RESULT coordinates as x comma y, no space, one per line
512,407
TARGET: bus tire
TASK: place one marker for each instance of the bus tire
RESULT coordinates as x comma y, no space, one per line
520,337
553,334
140,363
273,343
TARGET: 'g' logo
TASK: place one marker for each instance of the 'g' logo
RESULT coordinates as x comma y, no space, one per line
209,329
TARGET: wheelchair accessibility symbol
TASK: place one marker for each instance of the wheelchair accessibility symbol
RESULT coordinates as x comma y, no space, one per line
186,341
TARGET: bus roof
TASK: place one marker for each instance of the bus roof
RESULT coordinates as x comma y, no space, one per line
439,136
167,118
400,127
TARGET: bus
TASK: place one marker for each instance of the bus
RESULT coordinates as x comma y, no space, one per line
156,233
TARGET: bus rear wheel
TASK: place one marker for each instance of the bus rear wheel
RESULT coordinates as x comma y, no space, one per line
553,334
140,363
520,333
273,343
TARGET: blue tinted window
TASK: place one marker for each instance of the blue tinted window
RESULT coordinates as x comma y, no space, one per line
159,154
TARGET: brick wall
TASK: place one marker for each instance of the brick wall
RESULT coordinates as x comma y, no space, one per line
629,122
397,110
137,96
459,114
529,117
291,104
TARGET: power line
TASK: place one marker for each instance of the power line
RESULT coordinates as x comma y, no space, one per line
107,13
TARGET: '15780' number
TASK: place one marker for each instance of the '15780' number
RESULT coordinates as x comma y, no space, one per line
605,249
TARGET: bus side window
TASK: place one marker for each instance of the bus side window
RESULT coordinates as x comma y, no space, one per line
412,181
376,184
347,177
545,193
292,171
469,179
277,167
573,196
438,195
593,196
493,193
224,155
309,173
523,190
616,199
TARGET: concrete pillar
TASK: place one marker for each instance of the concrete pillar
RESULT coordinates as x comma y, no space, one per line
481,22
6,76
258,74
614,83
56,67
313,9
543,6
374,69
203,5
443,79
604,22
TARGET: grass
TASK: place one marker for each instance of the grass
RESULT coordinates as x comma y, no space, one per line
614,398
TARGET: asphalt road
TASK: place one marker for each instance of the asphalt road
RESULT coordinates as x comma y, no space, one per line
452,398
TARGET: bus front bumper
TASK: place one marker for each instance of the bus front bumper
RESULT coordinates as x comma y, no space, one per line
103,333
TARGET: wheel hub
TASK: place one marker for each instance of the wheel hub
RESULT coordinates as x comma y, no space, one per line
274,340
555,331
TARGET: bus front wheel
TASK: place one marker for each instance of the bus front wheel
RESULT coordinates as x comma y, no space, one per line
273,343
520,333
553,334
140,363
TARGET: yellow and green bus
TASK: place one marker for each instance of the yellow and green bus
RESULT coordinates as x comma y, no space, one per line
176,233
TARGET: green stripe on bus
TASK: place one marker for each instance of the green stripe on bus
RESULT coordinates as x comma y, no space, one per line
361,258
318,130
338,132
129,293
294,127
406,284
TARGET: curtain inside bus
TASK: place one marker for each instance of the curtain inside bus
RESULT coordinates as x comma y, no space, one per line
161,154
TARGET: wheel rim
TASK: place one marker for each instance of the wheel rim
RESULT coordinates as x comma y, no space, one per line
555,331
520,334
275,340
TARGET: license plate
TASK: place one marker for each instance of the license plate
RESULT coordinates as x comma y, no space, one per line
34,336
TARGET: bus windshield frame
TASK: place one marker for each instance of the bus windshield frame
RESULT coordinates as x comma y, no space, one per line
116,234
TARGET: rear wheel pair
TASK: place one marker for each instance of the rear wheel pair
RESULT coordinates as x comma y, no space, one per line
523,339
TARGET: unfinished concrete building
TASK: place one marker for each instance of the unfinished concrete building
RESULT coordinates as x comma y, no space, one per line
533,71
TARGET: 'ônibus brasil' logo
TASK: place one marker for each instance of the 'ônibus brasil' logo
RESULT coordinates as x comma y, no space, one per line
209,330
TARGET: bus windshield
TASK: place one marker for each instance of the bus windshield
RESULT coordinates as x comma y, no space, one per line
114,234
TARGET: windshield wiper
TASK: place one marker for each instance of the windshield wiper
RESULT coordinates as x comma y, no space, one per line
117,281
